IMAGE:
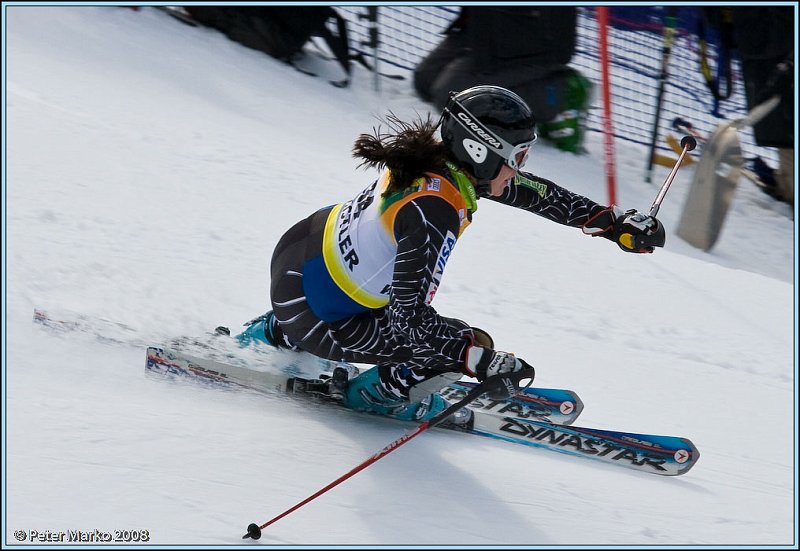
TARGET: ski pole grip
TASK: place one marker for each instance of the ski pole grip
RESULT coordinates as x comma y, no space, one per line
689,143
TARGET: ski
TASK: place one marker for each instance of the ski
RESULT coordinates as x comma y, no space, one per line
538,417
549,404
307,374
560,406
651,453
102,329
757,177
527,419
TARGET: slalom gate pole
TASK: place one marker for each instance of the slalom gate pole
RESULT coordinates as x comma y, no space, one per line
688,143
608,127
669,35
506,384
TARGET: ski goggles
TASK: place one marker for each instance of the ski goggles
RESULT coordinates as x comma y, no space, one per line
519,154
513,155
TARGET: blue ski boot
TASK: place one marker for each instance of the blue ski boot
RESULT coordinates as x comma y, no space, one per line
264,329
367,393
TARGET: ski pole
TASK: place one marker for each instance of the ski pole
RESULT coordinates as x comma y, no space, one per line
507,384
688,143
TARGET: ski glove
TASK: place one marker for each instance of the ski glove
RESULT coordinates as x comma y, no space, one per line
633,231
485,362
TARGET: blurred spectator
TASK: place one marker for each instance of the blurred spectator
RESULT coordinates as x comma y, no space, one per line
764,36
523,48
280,31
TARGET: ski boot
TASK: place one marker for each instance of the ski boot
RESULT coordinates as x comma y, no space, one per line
259,329
367,393
263,329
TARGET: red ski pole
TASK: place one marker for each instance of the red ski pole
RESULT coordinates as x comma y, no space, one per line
507,384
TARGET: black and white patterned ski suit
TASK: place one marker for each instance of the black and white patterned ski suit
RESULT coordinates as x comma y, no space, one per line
355,281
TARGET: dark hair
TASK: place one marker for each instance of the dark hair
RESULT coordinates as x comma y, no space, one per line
408,150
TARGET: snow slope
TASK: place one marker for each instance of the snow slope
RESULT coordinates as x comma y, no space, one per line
150,168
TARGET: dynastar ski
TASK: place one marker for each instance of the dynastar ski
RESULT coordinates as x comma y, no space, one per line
539,417
532,418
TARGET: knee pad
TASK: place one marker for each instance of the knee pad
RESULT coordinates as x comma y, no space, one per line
482,338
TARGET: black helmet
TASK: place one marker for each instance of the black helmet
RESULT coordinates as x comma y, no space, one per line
486,126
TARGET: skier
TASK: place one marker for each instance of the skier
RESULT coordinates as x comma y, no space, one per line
354,281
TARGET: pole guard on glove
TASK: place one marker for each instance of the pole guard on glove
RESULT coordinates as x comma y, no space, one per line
632,231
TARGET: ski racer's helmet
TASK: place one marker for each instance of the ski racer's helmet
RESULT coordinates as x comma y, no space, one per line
486,126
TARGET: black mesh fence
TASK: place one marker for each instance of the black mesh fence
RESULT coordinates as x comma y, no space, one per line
408,33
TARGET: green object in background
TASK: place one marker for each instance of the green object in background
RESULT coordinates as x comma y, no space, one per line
567,129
